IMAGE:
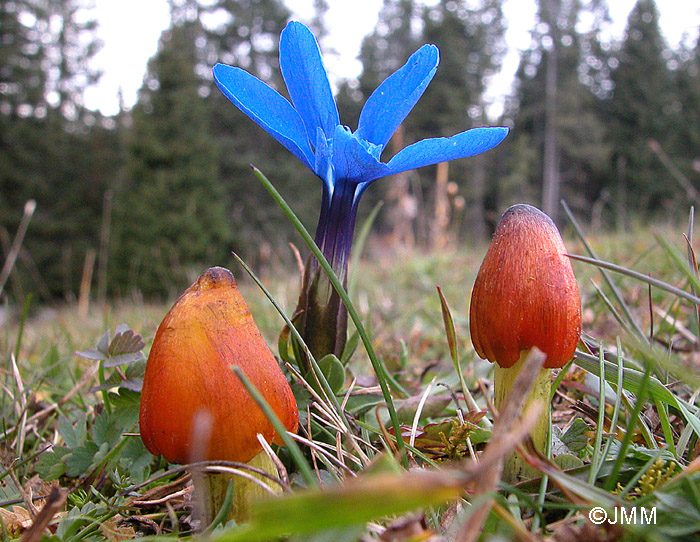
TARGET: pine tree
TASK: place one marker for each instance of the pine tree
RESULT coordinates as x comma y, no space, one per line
470,39
23,58
644,106
170,215
73,48
471,42
249,39
388,47
42,155
558,148
687,143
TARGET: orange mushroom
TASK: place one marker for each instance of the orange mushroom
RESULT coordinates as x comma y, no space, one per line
188,378
525,296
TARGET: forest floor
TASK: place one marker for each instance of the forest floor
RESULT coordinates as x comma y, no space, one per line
72,465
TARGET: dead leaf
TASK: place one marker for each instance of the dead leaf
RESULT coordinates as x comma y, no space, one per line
54,502
16,520
117,529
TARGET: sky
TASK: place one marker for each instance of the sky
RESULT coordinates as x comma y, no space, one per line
130,30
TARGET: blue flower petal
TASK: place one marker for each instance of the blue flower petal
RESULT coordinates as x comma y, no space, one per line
323,167
269,109
352,160
307,81
443,149
391,102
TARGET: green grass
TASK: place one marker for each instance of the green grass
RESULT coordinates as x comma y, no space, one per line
59,430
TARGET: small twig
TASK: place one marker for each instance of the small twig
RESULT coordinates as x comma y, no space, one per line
419,410
21,405
318,448
298,259
243,474
651,315
162,500
53,504
29,209
676,173
489,404
281,470
200,464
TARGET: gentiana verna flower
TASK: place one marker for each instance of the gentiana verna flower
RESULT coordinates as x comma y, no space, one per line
346,161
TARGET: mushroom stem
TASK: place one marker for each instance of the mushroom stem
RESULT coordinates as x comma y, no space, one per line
245,492
515,469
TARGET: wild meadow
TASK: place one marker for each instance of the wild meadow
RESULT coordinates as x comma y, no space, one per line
423,371
74,468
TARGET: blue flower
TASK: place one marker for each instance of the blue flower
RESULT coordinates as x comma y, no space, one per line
347,162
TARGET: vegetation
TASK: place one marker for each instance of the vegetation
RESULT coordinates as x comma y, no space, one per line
591,125
69,418
102,218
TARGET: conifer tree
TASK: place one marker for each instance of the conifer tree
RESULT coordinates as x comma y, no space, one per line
388,47
43,156
558,147
171,214
644,106
472,45
73,47
470,39
23,58
687,143
248,38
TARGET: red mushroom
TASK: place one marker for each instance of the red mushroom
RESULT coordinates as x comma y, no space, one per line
525,296
188,378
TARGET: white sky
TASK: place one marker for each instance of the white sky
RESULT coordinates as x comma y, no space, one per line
129,40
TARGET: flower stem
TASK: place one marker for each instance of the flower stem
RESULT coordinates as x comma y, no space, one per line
515,469
376,362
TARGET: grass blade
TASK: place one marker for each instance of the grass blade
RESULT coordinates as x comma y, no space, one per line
616,293
289,442
639,276
377,365
359,245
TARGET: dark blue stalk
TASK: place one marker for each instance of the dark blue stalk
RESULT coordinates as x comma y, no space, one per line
322,317
336,226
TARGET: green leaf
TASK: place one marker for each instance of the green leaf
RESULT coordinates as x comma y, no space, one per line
283,345
366,499
94,355
350,347
106,429
632,380
334,371
449,325
73,436
103,344
80,460
123,359
125,342
136,460
126,399
567,461
575,437
50,465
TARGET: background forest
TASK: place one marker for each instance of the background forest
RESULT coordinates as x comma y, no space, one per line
140,202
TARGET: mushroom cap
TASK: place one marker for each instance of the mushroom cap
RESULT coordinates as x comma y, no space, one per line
525,293
188,377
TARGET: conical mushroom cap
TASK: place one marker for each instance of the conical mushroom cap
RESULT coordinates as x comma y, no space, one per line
525,293
188,377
